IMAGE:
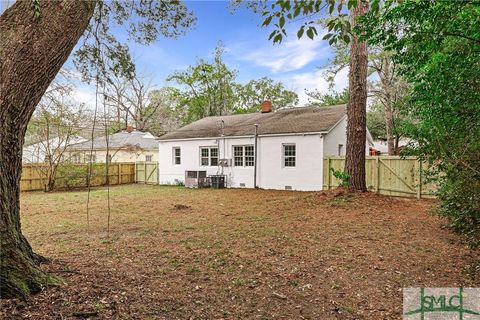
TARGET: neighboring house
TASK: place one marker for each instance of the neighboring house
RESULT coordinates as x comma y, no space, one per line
126,146
38,152
291,145
382,146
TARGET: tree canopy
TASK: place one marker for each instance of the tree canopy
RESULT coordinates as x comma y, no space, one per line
211,89
437,46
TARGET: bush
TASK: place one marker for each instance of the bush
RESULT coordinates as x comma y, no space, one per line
342,176
70,176
460,202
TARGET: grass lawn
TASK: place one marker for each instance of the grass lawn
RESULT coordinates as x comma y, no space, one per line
236,254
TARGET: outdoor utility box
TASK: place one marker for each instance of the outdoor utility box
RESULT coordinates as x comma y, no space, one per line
218,181
196,179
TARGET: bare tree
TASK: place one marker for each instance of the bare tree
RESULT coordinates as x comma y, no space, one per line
130,97
56,125
389,91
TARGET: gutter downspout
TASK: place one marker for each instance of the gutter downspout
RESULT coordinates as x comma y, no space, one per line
255,158
222,136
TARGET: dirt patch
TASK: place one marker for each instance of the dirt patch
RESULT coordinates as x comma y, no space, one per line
241,254
181,207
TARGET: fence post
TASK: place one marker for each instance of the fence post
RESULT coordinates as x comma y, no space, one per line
119,175
135,173
328,173
419,189
377,174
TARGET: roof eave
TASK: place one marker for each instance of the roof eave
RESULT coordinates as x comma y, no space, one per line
247,136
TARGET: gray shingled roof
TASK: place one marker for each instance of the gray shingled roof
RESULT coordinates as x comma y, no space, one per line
293,120
123,139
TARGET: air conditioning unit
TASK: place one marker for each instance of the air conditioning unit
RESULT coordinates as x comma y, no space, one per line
225,162
196,179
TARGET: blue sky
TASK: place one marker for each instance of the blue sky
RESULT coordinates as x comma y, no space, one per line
297,63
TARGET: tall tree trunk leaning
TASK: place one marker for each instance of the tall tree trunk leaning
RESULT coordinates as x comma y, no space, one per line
357,107
387,87
32,51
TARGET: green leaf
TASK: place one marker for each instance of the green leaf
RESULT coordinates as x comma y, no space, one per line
37,10
331,8
310,33
352,4
267,21
340,6
375,6
274,32
281,22
327,36
278,38
296,12
330,25
300,32
348,26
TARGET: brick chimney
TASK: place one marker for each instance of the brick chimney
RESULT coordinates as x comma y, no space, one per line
129,129
266,106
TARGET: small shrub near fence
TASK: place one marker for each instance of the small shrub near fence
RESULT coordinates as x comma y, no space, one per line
389,175
71,176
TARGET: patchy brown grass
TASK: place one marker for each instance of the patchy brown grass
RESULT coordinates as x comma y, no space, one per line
175,253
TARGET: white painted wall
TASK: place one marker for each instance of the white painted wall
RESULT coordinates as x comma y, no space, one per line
307,175
308,172
271,174
171,173
336,136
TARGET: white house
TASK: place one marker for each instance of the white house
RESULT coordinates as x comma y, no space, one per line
40,151
290,145
125,146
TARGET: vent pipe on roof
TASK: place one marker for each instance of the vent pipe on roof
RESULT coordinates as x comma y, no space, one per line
266,106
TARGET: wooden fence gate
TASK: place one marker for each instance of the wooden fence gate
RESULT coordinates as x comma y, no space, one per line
146,172
389,175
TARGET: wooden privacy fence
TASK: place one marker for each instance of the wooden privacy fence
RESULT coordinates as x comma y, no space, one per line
146,172
389,175
69,176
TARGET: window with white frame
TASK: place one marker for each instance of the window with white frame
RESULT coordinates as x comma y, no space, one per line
243,156
208,156
177,159
340,149
148,157
289,155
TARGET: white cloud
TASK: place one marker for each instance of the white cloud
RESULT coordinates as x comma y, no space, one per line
84,94
313,80
291,55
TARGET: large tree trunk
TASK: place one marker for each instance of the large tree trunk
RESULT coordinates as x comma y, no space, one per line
32,51
387,87
389,129
357,108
